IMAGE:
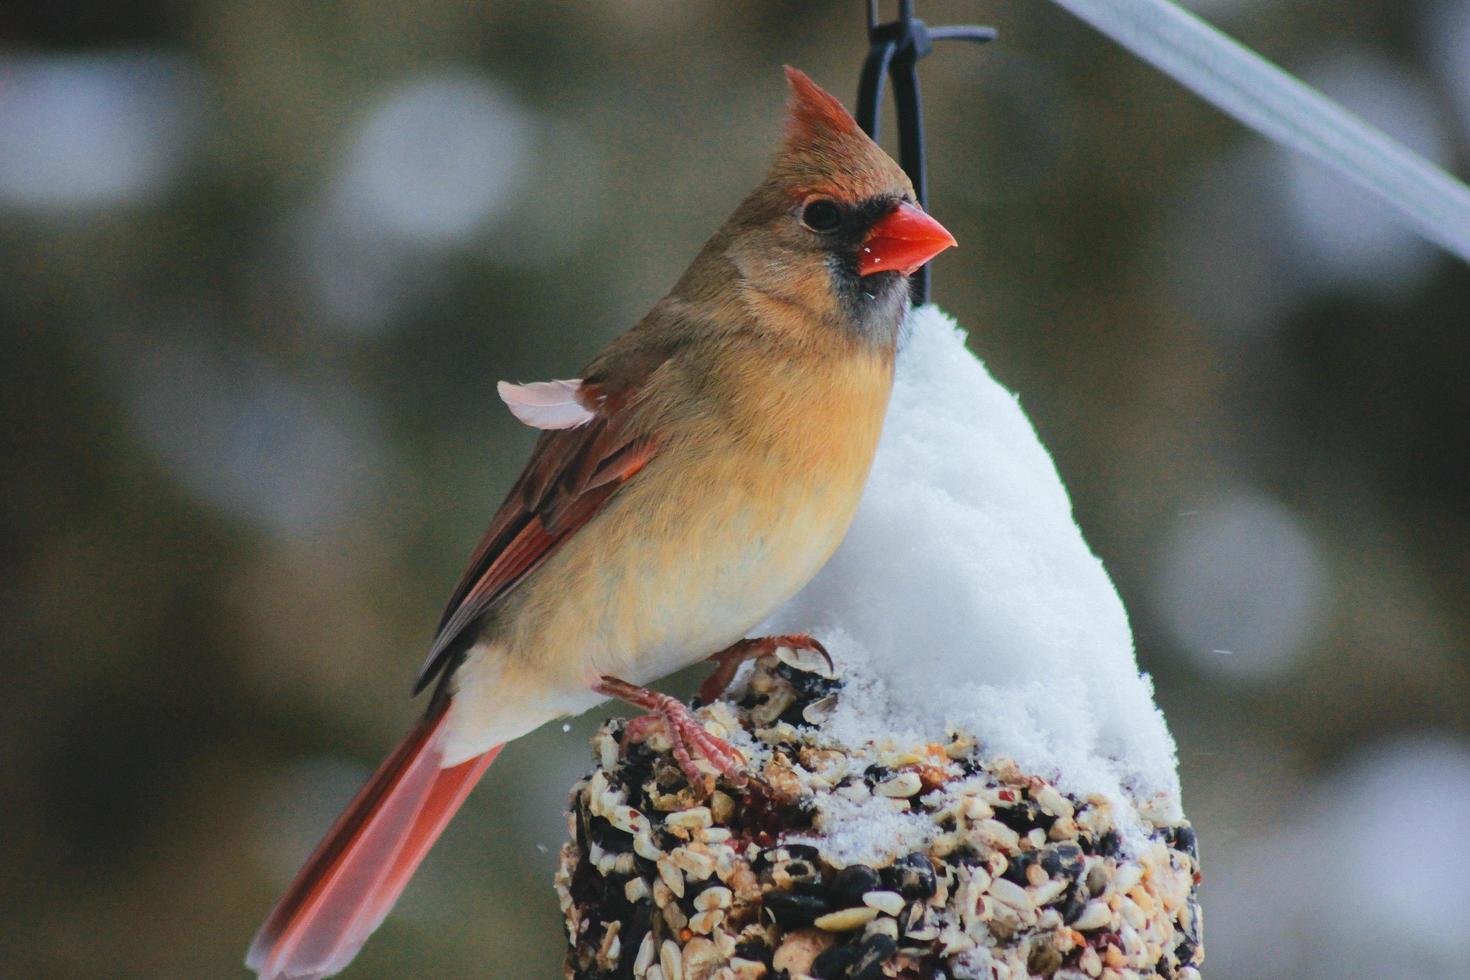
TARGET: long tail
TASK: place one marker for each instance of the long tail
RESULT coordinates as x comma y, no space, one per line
358,870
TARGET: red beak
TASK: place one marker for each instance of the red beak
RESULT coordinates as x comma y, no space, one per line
903,240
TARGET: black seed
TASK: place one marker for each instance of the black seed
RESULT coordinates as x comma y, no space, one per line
1107,845
793,910
787,854
877,949
802,852
912,876
1063,858
1015,871
1071,905
608,837
1194,923
852,882
793,715
803,872
589,889
876,774
1024,817
635,769
1184,840
756,952
809,687
631,936
833,963
817,887
582,831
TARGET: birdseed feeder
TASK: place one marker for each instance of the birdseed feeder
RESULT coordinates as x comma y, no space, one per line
983,870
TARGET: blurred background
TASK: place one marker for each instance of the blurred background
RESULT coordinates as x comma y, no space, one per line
263,262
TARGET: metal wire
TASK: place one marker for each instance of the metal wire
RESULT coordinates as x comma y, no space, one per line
895,49
1280,106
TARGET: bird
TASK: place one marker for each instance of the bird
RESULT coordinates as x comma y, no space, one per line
696,475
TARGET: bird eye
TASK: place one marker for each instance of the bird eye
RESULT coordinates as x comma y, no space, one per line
821,215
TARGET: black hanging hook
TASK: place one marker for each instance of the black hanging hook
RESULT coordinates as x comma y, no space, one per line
895,49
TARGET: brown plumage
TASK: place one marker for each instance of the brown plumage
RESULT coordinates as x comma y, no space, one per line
700,473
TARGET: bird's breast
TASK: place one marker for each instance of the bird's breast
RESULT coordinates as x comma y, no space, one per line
718,531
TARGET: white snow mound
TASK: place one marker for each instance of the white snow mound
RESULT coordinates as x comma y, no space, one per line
965,595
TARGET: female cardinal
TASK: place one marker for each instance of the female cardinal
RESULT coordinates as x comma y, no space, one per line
697,475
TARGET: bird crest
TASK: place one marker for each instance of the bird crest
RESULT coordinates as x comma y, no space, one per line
826,152
814,115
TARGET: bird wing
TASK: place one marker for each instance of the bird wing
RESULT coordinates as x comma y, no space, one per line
572,473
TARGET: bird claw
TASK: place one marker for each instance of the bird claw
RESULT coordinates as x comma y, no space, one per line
688,738
728,660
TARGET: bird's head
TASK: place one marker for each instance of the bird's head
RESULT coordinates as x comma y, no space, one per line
834,228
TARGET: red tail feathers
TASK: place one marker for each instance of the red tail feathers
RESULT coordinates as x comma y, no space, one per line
357,872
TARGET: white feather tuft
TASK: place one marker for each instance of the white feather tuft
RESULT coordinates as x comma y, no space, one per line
546,404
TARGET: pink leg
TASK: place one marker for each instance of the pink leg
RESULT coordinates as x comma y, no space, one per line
685,732
729,659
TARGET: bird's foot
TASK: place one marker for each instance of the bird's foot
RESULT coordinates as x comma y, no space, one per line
728,660
687,736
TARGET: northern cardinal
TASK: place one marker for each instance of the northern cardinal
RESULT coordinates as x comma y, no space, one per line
697,475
